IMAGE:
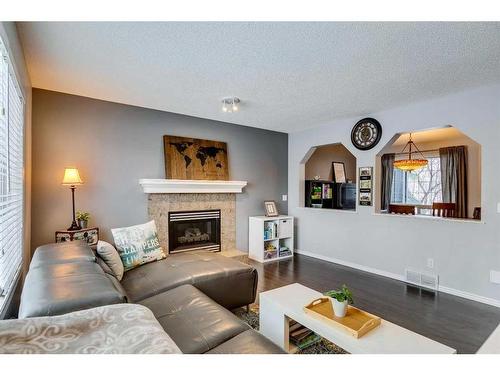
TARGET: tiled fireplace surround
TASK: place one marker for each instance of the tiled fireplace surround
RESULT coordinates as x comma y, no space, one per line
159,205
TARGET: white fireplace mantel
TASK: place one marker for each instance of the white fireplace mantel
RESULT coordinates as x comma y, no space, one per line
164,186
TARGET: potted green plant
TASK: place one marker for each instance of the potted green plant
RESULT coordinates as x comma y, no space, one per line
83,219
340,300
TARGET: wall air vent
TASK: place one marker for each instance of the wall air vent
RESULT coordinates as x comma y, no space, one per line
424,280
412,277
429,281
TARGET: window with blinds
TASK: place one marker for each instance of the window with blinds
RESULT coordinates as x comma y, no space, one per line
11,175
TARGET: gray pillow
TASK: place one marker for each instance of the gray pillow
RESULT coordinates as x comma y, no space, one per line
111,257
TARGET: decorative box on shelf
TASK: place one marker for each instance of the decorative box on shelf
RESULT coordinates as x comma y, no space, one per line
270,238
89,235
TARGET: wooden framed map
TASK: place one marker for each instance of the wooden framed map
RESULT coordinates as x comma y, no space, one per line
195,159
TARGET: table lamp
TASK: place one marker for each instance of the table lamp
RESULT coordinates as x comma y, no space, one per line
72,178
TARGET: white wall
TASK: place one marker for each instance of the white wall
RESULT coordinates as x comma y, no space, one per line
463,252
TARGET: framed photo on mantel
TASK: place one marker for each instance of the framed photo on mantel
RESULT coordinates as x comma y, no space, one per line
365,186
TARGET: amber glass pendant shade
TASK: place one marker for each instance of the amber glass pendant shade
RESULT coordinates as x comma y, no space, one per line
409,164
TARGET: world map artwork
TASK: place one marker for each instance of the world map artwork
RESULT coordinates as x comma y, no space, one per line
202,154
201,159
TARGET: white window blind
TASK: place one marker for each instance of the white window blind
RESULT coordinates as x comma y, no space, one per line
11,175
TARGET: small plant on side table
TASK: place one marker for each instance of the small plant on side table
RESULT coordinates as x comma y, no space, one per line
83,219
340,299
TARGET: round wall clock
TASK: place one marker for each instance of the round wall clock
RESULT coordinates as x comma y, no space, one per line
366,133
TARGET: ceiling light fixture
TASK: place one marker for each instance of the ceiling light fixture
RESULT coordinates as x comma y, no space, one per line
230,105
409,165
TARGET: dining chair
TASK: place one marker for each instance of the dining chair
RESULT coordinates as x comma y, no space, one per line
444,209
402,209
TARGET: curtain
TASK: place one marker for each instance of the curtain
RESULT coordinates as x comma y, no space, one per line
387,161
454,177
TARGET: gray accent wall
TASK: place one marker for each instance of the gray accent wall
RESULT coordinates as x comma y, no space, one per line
114,145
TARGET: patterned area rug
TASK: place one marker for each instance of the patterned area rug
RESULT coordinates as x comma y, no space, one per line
321,347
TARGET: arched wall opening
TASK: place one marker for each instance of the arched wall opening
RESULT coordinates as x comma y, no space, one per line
328,178
424,187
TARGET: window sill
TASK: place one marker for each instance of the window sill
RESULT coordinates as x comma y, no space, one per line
431,218
328,210
6,300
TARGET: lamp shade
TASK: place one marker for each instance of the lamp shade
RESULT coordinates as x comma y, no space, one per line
410,164
71,177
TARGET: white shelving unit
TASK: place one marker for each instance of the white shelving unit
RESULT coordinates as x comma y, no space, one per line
269,236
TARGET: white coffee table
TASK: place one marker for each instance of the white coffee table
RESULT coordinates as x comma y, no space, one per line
492,343
278,306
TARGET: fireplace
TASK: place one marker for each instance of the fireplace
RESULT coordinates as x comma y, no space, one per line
194,230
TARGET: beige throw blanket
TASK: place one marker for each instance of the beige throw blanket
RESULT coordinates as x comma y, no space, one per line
121,329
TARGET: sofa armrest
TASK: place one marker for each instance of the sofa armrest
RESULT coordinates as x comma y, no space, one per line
230,291
64,252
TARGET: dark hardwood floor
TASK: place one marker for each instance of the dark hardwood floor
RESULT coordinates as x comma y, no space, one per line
457,322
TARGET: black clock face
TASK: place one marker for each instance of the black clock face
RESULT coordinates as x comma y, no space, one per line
366,134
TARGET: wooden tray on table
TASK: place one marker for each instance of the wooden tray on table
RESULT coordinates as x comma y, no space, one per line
356,322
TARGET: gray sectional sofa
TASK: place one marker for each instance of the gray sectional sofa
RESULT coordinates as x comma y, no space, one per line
189,294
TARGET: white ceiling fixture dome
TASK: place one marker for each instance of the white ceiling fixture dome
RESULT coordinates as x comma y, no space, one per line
231,104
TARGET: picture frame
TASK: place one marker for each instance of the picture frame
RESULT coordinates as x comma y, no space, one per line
365,172
189,158
338,173
365,185
271,209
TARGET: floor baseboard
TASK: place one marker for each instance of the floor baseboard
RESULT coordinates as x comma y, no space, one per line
442,288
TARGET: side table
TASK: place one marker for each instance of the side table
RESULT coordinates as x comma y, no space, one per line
89,235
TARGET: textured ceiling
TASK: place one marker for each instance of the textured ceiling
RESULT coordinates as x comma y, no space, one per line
289,76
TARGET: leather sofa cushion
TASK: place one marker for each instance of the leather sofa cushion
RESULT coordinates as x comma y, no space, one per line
248,342
227,281
56,289
153,278
195,322
65,252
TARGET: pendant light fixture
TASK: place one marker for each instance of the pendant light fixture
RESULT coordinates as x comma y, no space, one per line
409,164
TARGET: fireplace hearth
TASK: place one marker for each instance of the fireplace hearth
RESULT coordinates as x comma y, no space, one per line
194,230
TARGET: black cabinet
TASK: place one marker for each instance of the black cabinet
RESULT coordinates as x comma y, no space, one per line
328,194
319,193
345,196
